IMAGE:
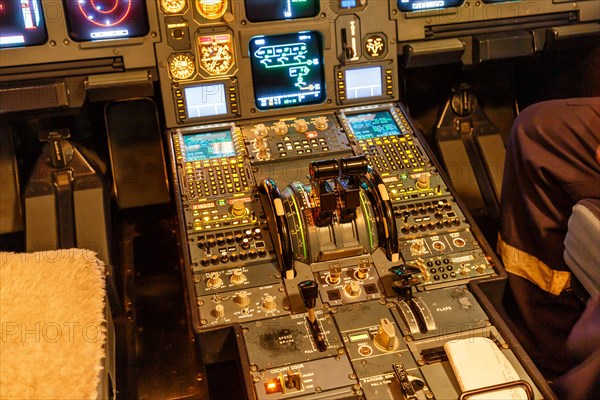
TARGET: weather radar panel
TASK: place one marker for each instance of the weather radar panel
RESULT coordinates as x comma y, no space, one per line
91,20
287,70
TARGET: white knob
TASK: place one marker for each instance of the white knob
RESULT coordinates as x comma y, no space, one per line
352,289
242,299
269,302
423,181
238,277
214,280
321,123
386,338
281,128
261,130
219,311
301,125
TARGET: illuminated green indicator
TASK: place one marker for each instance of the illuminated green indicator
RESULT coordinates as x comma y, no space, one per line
359,337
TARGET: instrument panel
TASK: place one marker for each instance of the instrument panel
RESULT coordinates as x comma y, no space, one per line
344,257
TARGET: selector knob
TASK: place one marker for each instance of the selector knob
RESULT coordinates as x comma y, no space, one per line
219,311
237,277
321,123
224,257
352,289
386,338
230,239
335,274
243,254
233,257
281,128
248,233
269,302
261,130
220,240
211,242
418,247
262,252
205,262
301,125
423,181
214,259
252,253
238,208
201,243
263,154
245,244
257,234
242,299
214,280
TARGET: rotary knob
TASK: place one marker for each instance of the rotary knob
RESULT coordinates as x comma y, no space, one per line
219,311
281,128
214,280
242,299
269,302
301,125
261,130
237,277
352,289
423,181
238,208
321,123
245,244
386,338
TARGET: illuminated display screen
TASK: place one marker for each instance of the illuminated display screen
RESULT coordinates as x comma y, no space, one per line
21,23
287,70
418,5
91,20
274,10
347,3
363,82
207,145
373,125
205,100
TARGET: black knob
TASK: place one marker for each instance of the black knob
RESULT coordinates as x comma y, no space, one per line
230,239
245,244
262,252
201,243
233,257
243,254
205,262
220,240
257,234
309,291
239,237
214,259
212,242
252,253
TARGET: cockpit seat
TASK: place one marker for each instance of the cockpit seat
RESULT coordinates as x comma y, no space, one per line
582,244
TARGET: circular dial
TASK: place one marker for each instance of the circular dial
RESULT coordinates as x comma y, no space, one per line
105,12
181,66
173,6
216,58
211,9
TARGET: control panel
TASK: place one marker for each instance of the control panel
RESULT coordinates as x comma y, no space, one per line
342,254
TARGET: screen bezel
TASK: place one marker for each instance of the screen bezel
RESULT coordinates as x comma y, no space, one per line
348,116
41,31
404,6
224,130
385,96
250,16
317,36
83,35
200,86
